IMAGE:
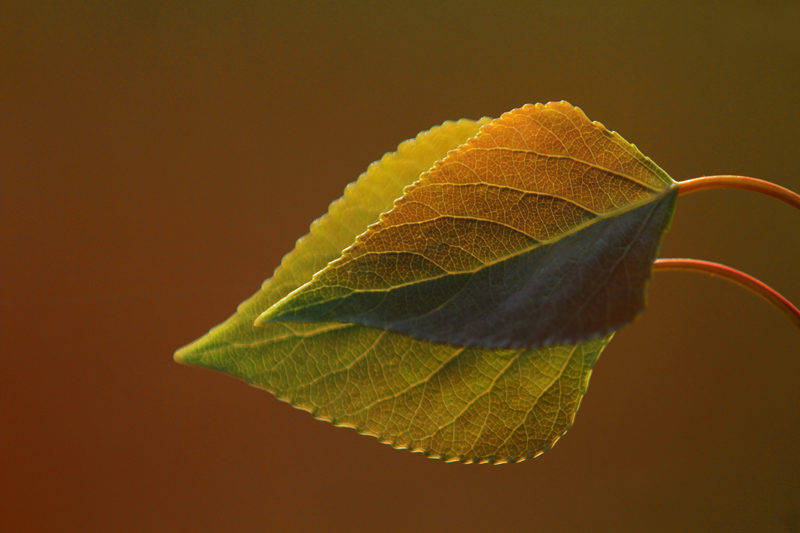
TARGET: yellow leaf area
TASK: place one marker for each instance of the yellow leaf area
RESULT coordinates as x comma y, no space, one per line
471,405
528,179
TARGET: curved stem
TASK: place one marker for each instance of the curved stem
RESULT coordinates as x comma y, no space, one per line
739,182
740,278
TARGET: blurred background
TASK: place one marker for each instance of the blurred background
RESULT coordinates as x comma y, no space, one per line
158,159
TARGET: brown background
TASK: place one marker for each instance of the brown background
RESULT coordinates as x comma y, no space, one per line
158,160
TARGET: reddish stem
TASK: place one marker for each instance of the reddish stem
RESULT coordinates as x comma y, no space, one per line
739,182
740,278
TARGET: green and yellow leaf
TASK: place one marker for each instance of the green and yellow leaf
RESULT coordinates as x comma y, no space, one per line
456,403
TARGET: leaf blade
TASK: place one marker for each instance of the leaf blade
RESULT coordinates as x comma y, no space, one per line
389,385
536,177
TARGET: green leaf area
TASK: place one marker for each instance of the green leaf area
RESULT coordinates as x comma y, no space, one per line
455,403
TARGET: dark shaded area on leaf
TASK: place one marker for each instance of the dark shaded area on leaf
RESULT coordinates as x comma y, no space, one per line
584,286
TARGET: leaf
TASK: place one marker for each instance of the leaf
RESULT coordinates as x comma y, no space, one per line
540,230
455,403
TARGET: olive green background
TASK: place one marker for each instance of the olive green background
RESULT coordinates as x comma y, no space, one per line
158,159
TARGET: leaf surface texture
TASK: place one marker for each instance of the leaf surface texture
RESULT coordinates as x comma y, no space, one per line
456,403
540,230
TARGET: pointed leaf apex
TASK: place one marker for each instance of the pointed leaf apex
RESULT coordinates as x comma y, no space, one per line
272,314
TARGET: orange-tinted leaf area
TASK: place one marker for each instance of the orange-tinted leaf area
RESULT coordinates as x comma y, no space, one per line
396,314
540,230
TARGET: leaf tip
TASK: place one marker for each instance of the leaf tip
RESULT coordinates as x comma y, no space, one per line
261,320
203,352
272,314
187,355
